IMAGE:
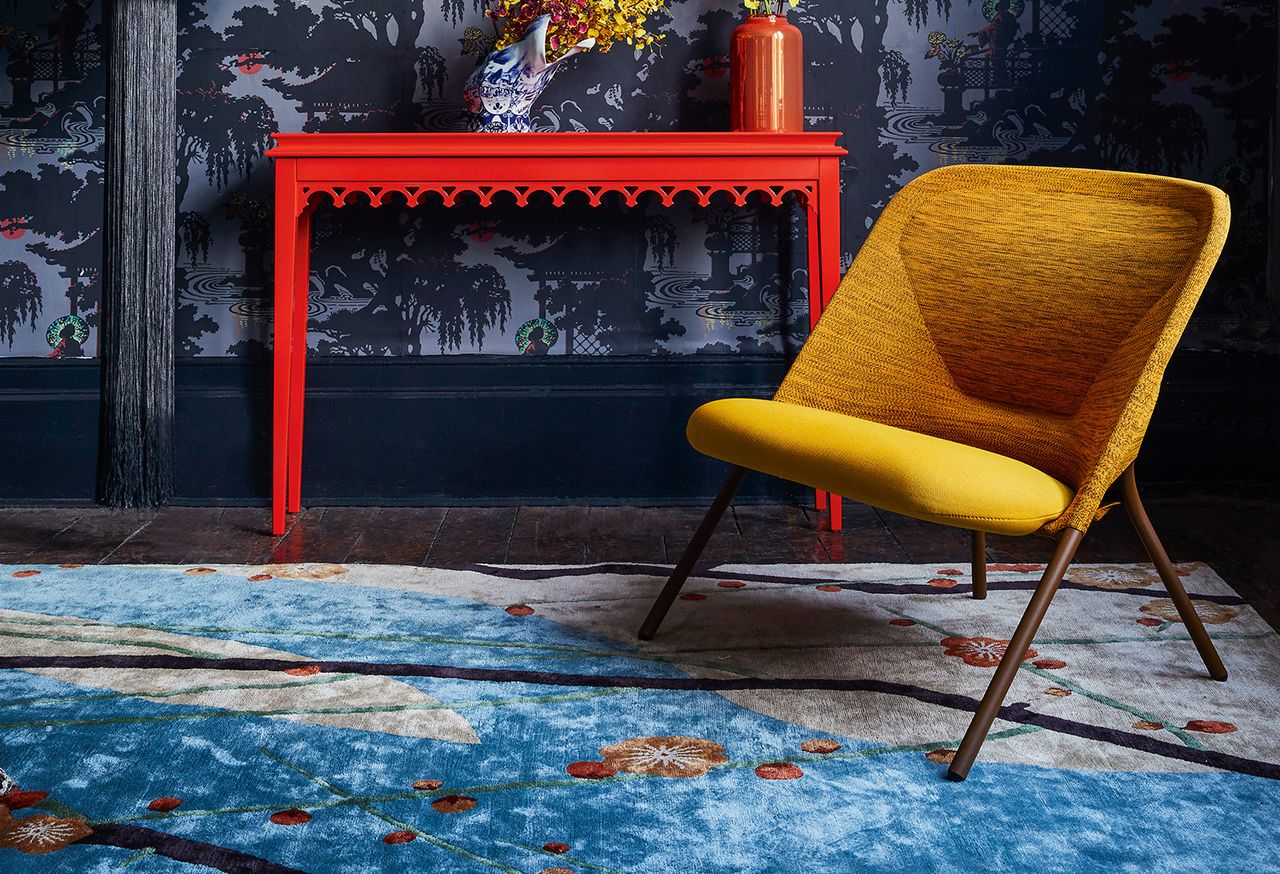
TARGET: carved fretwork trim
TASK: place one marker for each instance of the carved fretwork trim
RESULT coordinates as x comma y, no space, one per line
341,194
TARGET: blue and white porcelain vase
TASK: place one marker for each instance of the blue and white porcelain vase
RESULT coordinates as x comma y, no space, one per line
501,92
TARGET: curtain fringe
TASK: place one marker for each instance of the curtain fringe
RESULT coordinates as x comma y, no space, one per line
136,340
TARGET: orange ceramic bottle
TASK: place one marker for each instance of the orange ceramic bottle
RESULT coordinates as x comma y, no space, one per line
766,72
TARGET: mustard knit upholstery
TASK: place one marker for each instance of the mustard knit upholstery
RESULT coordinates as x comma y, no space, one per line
903,471
1025,311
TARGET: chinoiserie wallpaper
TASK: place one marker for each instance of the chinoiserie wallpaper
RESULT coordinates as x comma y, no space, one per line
1185,88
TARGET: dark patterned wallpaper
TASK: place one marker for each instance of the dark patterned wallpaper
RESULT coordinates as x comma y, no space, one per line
1185,88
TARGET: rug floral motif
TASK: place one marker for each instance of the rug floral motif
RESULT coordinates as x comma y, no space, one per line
788,718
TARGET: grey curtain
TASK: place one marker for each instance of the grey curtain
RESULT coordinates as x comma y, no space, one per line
136,342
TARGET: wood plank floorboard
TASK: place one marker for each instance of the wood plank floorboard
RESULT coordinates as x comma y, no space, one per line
775,533
326,535
24,530
398,535
624,534
95,534
549,535
243,537
176,535
473,534
676,526
863,538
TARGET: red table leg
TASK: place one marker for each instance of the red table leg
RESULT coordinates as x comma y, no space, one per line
286,228
298,359
815,295
829,260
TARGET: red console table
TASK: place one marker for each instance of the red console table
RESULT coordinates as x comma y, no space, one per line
417,167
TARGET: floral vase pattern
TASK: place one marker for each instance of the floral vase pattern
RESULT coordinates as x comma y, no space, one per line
501,92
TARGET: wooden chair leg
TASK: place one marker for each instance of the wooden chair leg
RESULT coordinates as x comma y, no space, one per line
978,567
699,542
1068,542
1160,558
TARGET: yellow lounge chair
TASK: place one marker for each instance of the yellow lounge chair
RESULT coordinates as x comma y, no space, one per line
990,361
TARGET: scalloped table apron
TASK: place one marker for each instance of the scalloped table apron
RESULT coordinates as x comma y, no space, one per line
310,167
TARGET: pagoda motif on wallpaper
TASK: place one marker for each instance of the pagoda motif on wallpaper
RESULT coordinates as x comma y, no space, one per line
912,83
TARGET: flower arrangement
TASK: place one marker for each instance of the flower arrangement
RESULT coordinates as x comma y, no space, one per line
572,21
769,7
948,50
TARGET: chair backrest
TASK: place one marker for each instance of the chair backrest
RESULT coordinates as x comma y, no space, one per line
1026,310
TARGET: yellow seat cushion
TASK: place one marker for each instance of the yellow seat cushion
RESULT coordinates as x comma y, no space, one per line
891,468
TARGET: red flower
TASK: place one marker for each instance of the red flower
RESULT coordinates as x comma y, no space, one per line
520,610
164,804
829,588
1210,726
303,671
1178,71
23,574
981,652
292,816
556,847
731,584
1049,664
400,837
779,771
257,578
821,746
1149,622
16,799
453,804
590,770
427,785
942,583
951,572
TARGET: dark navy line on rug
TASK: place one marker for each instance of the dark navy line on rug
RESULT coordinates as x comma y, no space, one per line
1019,713
709,572
180,849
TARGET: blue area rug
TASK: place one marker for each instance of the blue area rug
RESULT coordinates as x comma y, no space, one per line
789,718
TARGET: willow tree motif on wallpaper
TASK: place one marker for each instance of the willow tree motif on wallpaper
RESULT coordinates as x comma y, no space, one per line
913,84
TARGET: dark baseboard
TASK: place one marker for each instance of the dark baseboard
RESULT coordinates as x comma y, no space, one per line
490,430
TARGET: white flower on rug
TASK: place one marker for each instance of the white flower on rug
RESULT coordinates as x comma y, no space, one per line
1208,611
981,652
1114,577
677,756
305,570
41,834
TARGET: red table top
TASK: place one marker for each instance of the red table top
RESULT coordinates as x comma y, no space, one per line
646,144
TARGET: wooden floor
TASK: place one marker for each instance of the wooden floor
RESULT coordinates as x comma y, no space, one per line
1237,533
